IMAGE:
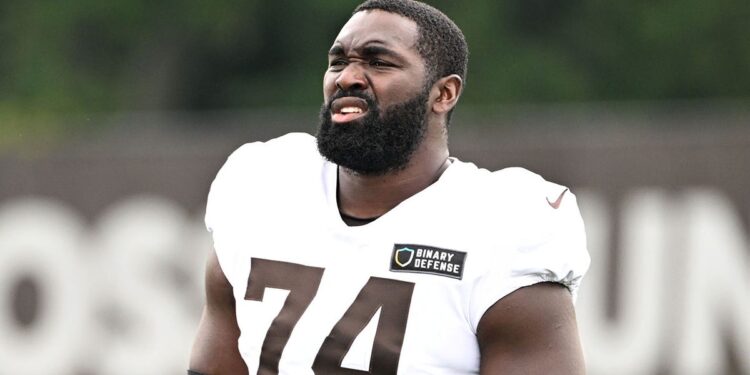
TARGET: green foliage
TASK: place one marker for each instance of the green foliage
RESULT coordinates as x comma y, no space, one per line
82,56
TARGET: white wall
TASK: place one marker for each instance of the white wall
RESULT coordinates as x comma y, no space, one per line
122,294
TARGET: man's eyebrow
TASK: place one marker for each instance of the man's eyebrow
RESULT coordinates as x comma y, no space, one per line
336,50
371,49
378,50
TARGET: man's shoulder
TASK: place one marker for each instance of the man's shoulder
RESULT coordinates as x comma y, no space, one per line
284,159
293,153
514,182
287,145
518,178
516,194
262,174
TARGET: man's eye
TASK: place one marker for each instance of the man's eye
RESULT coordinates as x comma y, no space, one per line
379,63
337,63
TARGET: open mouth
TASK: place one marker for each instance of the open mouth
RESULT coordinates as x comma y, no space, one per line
348,109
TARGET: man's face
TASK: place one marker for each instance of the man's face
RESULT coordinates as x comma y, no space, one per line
375,100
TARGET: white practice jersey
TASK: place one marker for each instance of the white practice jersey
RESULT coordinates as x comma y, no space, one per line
403,294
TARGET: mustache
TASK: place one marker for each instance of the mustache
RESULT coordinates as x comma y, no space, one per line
351,93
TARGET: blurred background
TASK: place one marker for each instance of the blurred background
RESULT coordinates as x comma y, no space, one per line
115,116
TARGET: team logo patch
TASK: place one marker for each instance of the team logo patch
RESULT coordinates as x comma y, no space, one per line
428,259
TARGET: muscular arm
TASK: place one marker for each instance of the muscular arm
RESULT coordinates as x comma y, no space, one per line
531,331
215,349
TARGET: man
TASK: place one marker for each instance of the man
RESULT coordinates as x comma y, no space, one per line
385,255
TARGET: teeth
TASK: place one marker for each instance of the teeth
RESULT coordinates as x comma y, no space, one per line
351,110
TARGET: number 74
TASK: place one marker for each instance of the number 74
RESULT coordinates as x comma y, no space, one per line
393,297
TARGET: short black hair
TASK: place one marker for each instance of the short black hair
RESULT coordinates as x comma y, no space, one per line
440,42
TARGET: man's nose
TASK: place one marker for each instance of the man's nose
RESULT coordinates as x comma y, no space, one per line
352,77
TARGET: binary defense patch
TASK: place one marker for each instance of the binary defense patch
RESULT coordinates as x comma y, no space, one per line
428,259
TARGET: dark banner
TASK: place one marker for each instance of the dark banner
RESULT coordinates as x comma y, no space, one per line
102,244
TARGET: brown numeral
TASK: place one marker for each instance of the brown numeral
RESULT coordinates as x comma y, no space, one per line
393,298
302,283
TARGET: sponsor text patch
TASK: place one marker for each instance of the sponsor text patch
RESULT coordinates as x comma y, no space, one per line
428,259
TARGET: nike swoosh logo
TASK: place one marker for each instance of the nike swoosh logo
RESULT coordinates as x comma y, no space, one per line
556,203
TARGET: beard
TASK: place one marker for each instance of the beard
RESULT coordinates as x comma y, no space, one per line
378,143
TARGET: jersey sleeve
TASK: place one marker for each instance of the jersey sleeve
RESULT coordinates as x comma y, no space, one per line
245,185
548,245
230,189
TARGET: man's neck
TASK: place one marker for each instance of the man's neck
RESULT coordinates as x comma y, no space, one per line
362,196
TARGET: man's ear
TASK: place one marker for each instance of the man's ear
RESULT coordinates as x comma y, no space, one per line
446,92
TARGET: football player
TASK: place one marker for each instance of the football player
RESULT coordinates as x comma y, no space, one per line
370,249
